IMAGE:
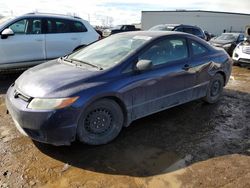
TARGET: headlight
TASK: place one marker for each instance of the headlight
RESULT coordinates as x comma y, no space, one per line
51,104
238,47
227,46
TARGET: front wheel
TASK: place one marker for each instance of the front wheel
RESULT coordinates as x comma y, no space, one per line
101,122
215,89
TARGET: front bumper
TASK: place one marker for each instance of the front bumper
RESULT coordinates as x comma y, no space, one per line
56,127
241,58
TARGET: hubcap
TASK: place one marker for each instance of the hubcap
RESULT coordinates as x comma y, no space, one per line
215,89
98,121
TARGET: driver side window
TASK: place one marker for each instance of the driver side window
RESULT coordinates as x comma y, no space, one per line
27,26
20,27
166,51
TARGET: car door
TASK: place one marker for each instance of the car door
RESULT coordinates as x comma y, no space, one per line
170,80
202,65
27,43
60,39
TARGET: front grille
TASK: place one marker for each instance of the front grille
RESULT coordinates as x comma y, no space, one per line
18,94
244,60
246,49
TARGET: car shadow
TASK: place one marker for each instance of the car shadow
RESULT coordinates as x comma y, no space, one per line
168,140
6,80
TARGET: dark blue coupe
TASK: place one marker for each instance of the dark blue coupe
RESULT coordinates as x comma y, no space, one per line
91,94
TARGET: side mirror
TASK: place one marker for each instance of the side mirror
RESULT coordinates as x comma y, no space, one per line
247,30
143,65
6,32
247,33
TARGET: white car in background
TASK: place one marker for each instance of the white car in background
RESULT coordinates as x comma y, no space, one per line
241,54
34,38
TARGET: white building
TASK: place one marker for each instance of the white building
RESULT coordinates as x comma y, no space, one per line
213,22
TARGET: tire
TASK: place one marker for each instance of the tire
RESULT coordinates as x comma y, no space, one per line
214,89
101,122
235,63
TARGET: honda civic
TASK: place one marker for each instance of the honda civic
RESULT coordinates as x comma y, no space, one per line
91,94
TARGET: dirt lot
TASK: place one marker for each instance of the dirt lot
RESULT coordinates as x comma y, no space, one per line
193,145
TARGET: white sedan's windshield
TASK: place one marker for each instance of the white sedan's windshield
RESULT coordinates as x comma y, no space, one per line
110,51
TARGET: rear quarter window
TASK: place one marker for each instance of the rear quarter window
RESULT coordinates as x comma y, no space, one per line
198,49
76,27
198,32
179,29
188,30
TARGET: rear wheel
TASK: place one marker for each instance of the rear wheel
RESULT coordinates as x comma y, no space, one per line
215,89
101,122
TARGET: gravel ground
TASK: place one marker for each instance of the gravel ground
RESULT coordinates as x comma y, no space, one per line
192,145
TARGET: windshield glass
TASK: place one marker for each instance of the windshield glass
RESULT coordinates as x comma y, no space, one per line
117,27
228,36
161,28
4,20
108,52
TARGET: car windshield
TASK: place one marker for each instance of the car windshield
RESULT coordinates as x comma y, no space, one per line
4,20
117,27
161,28
228,36
108,52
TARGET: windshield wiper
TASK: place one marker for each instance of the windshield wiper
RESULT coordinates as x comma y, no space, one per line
87,63
65,59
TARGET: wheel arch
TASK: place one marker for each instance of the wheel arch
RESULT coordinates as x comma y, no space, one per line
116,99
223,75
121,104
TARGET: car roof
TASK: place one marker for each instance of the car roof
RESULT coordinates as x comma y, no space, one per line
50,15
154,34
170,25
234,33
177,25
157,34
43,15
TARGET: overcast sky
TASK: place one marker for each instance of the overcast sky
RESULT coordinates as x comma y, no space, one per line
117,11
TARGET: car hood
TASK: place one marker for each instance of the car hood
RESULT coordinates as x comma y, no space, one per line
221,42
54,79
245,43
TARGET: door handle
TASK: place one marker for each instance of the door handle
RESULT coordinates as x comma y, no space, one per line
73,38
39,40
186,67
